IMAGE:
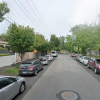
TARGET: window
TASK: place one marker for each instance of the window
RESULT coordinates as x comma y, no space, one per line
6,81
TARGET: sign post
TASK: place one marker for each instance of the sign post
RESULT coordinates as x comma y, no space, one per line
35,51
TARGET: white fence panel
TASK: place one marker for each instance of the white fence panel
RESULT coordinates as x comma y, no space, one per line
7,60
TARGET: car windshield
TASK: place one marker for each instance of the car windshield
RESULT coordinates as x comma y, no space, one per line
98,61
86,58
53,52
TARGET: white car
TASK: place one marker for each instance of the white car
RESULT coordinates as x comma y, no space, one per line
10,86
54,54
49,57
80,58
44,60
84,60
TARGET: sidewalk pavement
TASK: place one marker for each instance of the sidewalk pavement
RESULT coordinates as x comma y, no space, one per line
10,66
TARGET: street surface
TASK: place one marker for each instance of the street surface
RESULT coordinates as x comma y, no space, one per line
31,80
65,74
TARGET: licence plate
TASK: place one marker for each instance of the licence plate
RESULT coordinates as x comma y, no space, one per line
24,72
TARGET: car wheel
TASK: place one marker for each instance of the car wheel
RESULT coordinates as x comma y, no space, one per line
95,71
35,73
22,88
88,66
42,68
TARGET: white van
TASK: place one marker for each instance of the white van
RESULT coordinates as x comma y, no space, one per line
54,54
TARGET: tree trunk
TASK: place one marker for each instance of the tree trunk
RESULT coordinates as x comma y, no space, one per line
78,50
99,52
90,53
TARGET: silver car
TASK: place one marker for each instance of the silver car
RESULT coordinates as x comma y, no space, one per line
44,60
11,86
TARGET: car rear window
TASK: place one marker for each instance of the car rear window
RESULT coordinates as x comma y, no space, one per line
26,62
53,52
86,58
98,61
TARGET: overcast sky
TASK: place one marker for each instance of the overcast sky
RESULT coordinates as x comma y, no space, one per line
54,17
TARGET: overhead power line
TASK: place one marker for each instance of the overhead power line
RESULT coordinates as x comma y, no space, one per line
13,20
35,13
27,12
38,13
17,12
24,13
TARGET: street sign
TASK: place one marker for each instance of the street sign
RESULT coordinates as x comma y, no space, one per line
35,51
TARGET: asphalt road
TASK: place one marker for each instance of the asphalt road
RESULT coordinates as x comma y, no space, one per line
65,74
31,80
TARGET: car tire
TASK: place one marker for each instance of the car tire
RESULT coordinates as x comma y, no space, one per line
42,68
95,71
88,66
22,88
35,73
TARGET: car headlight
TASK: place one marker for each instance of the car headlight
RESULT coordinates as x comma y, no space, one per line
99,66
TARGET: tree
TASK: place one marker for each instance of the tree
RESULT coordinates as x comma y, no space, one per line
62,42
69,43
54,41
20,38
84,37
3,10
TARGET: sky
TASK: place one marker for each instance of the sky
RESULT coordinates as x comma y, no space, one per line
51,16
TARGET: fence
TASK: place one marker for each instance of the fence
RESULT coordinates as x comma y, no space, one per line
28,55
7,60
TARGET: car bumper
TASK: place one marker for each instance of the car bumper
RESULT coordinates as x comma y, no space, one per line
26,72
98,70
44,63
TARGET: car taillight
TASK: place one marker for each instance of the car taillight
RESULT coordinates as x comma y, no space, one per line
19,68
31,67
45,59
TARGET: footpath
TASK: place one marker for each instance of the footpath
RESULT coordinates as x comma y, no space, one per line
10,66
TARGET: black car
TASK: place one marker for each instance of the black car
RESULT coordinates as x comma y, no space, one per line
30,68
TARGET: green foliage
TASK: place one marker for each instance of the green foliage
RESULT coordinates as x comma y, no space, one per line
83,36
62,42
3,37
13,70
20,38
40,43
5,54
3,10
54,41
1,48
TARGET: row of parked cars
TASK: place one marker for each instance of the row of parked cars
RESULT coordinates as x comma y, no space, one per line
10,86
93,63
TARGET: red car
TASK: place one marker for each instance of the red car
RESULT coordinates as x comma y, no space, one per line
73,55
94,63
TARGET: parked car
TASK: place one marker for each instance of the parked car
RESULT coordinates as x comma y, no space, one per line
11,86
30,68
94,63
44,60
73,55
84,60
49,57
77,58
54,53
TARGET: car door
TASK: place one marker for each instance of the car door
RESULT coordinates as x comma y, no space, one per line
39,65
10,88
93,63
36,65
1,90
